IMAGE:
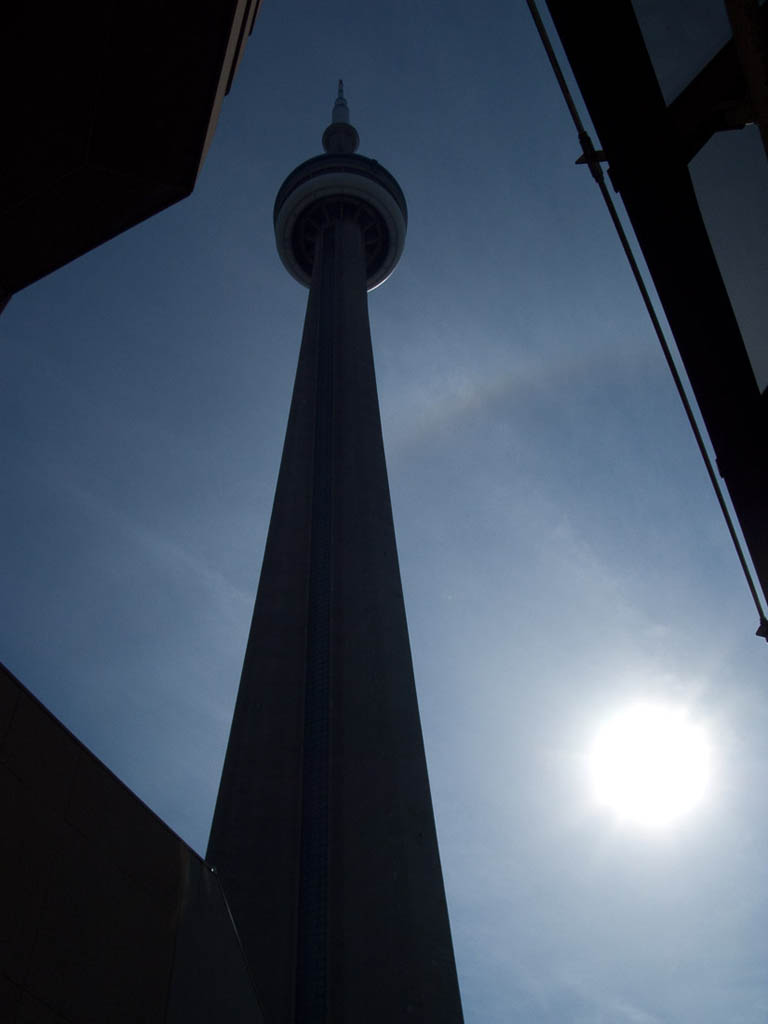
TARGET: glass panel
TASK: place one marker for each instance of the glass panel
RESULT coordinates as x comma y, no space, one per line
682,36
731,182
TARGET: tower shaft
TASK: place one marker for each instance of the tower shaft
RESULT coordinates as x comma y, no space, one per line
323,833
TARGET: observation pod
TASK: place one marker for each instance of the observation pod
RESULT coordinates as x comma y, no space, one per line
340,185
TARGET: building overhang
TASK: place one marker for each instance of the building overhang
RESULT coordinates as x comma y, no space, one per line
114,110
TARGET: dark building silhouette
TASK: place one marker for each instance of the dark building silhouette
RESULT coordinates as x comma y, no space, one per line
111,111
106,917
621,54
323,835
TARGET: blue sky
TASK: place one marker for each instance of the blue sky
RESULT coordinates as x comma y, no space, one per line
561,550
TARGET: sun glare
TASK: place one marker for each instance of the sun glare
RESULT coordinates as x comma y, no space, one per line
650,764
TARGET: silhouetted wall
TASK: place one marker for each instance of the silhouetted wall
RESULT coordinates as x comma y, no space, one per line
106,916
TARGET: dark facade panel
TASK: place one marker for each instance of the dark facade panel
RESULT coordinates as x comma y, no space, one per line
113,110
106,914
210,981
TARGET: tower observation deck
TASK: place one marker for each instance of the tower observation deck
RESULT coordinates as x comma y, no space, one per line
338,186
323,833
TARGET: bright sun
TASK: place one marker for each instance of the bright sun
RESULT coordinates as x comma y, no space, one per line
650,764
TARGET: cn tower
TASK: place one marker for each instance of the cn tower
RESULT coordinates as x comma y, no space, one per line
323,834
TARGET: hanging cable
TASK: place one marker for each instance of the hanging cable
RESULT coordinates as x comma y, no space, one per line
592,159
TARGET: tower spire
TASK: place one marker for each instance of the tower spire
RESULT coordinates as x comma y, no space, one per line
340,113
340,136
